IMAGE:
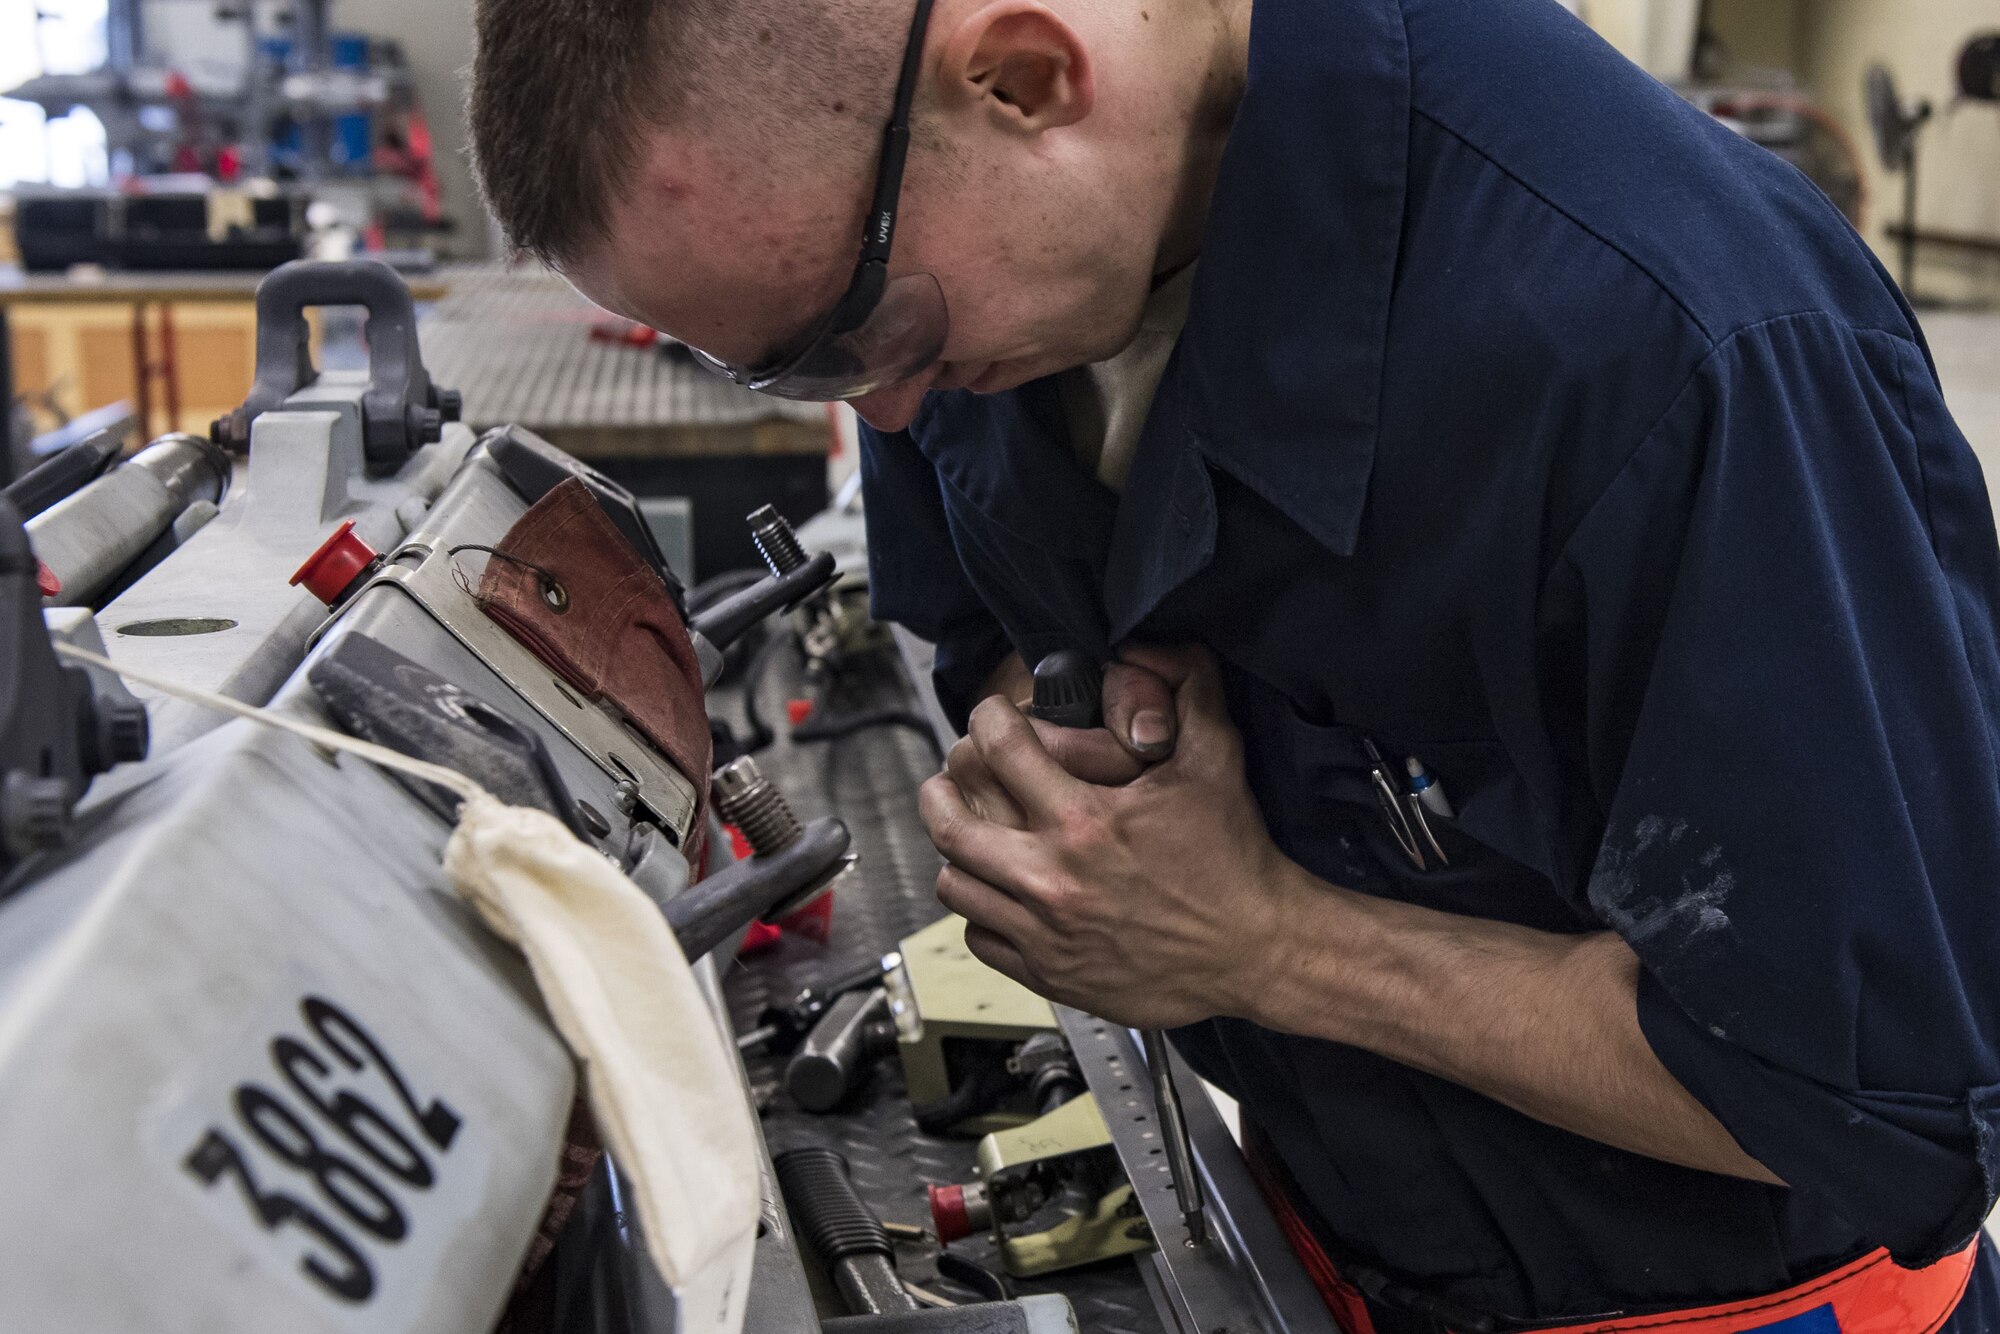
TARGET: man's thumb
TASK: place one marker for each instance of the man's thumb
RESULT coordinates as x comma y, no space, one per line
1139,710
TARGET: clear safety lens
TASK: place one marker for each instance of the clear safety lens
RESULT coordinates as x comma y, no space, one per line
901,337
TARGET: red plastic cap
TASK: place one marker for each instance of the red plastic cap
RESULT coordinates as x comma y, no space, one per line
814,921
758,937
330,571
948,1215
46,582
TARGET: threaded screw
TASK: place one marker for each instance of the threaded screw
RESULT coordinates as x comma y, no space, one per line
752,803
776,542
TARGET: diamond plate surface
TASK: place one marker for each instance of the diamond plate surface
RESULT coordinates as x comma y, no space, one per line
870,780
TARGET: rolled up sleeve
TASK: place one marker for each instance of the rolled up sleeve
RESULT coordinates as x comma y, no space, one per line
1790,690
915,577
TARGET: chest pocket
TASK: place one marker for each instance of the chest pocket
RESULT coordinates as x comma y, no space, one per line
1315,784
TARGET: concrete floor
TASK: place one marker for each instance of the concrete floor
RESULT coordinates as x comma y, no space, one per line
1967,349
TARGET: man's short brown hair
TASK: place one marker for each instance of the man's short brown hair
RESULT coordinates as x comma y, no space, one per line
562,91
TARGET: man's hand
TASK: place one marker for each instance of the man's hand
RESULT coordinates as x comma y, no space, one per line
1146,897
1138,730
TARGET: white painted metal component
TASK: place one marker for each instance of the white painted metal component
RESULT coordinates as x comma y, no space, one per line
217,613
77,627
144,988
202,1001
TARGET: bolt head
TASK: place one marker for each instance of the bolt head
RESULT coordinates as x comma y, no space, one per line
593,820
425,424
232,430
737,777
625,797
127,731
34,813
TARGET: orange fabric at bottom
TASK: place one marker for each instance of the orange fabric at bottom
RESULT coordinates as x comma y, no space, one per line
1348,1307
1871,1295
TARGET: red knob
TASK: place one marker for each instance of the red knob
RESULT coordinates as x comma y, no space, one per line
332,571
949,1218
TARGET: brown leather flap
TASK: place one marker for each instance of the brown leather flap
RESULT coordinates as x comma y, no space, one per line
568,585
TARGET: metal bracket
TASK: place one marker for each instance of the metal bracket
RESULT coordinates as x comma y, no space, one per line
422,570
401,411
1244,1279
596,729
379,695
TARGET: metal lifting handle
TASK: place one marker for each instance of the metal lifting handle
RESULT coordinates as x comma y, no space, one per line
401,410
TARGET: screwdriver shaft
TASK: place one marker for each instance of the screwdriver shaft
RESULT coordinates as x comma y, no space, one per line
1174,1136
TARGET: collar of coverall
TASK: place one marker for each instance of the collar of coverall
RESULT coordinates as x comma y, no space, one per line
1280,365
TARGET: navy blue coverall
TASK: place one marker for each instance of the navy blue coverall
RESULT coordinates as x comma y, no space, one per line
1531,423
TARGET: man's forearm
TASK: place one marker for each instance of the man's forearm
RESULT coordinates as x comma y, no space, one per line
1547,1024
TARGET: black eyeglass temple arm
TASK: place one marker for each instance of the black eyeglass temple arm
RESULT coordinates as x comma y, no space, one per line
881,233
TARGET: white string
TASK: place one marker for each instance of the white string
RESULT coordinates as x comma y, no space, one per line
319,736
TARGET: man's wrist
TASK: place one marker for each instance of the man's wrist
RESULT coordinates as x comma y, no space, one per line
1312,930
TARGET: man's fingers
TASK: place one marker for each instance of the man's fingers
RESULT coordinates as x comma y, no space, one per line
980,789
990,851
1207,735
980,903
1139,711
1092,754
1200,690
1203,732
1172,664
1011,679
998,953
1015,755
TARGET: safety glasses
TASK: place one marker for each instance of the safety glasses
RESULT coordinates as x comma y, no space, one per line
883,330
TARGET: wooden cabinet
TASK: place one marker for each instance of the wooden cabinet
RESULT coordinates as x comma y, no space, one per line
83,355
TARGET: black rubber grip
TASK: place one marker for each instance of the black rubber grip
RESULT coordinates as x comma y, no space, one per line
720,907
728,620
825,1206
1069,690
64,474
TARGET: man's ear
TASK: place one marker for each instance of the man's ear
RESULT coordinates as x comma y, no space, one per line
1017,62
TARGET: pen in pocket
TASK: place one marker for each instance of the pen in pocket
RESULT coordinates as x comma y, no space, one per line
1426,798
